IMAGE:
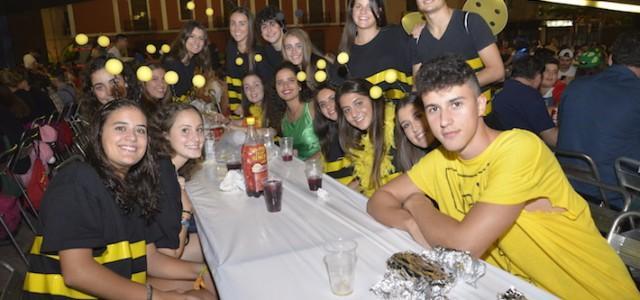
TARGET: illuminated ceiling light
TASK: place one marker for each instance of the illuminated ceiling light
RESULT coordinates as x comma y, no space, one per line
633,8
558,23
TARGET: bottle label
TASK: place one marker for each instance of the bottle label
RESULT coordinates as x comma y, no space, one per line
254,167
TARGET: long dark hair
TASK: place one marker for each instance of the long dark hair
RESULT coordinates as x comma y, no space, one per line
140,185
326,130
178,52
90,103
350,30
162,122
245,103
407,153
148,103
305,92
251,40
350,136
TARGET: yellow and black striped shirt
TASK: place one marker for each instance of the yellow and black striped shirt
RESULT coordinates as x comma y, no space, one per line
391,51
236,67
79,213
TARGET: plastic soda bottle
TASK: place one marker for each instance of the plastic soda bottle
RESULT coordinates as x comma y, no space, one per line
254,161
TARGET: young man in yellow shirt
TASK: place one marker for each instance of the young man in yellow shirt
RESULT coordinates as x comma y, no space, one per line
502,196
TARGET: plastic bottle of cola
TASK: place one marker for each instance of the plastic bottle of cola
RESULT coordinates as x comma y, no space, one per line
254,161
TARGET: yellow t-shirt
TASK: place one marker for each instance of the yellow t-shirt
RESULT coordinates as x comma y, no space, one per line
562,252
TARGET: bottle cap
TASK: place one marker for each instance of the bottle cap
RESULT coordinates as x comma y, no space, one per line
251,121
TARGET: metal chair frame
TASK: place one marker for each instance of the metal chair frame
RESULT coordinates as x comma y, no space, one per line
4,160
626,244
590,174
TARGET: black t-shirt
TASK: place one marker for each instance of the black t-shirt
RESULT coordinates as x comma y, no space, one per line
390,49
271,60
185,75
170,206
79,212
459,39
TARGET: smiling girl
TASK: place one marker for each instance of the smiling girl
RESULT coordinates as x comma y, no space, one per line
326,128
240,60
98,231
366,135
298,119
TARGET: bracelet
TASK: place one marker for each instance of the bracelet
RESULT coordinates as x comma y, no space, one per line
149,292
199,282
185,223
187,212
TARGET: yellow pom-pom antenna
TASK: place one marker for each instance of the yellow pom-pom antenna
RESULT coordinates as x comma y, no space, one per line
165,48
321,64
391,76
258,57
239,61
191,5
209,11
81,39
198,80
103,41
171,77
151,49
375,92
320,76
114,66
343,58
144,73
301,76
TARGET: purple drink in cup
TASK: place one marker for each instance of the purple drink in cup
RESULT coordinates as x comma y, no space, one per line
273,194
315,182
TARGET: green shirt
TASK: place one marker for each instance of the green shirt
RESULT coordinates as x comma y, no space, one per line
304,137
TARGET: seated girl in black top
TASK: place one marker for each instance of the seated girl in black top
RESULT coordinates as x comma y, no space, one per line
101,87
97,217
189,56
155,92
180,144
326,128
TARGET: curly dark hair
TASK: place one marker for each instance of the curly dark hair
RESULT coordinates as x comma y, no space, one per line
270,13
140,185
350,136
445,72
161,124
178,52
326,130
626,49
89,103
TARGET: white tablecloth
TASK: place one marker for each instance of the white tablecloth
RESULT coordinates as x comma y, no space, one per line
260,255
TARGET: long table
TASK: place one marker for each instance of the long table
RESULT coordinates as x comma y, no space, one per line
255,254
